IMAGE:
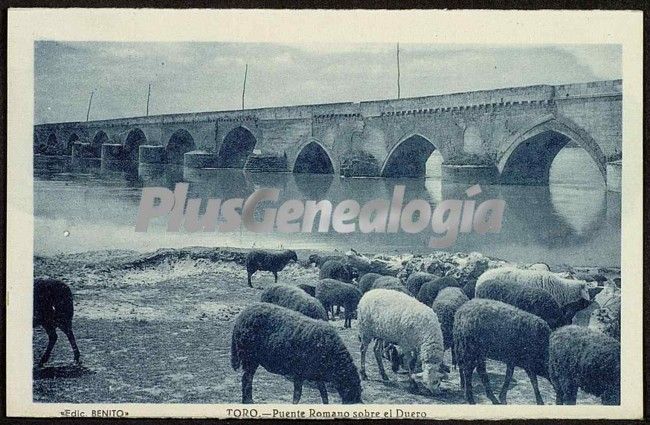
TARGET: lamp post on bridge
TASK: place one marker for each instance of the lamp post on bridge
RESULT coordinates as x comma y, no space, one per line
243,92
398,73
90,101
148,96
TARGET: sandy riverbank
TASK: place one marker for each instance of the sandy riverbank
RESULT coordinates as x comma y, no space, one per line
156,328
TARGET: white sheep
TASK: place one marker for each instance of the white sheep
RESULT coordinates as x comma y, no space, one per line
389,316
564,291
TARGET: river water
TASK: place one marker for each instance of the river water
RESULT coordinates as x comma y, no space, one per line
82,206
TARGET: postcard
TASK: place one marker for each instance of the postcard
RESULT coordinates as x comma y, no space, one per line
324,214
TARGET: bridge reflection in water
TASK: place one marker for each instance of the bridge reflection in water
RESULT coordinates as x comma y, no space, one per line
573,222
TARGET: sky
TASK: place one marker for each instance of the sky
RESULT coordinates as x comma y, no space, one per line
198,77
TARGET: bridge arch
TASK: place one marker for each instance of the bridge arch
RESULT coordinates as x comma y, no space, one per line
313,158
408,158
134,139
179,143
98,140
71,139
237,146
530,152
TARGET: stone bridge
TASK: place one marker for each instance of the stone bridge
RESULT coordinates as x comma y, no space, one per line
508,135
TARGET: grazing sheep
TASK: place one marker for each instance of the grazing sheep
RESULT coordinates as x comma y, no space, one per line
334,269
564,291
580,357
332,292
448,300
397,358
390,282
310,289
268,261
429,290
294,299
367,281
445,306
571,295
415,281
388,316
492,329
532,299
54,308
285,342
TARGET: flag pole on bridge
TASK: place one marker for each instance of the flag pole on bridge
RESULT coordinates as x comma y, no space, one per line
398,76
148,96
243,92
90,101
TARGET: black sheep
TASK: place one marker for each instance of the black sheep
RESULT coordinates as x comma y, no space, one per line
268,261
489,329
331,292
54,308
294,299
445,306
367,281
287,343
310,289
417,279
339,270
429,290
334,269
532,299
390,282
580,357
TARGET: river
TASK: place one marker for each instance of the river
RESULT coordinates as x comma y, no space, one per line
82,206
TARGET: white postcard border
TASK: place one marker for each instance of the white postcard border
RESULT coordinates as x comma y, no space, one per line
444,27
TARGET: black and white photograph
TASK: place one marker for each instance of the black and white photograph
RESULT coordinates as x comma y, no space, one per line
273,226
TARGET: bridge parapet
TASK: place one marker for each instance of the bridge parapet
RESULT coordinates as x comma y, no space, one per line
426,104
596,88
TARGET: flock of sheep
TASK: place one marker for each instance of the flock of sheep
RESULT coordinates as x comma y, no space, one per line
520,317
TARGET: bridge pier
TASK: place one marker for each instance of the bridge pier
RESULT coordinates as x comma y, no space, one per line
152,174
81,150
112,152
150,154
266,163
470,174
200,159
113,157
360,164
614,174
